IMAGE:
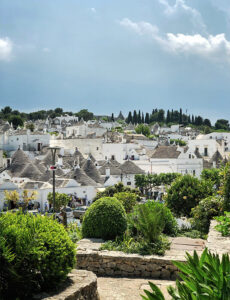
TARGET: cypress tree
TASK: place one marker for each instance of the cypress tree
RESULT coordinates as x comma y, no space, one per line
142,118
139,117
147,119
129,118
168,117
134,117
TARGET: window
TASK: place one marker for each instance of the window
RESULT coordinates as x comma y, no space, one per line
128,183
190,156
194,172
113,157
97,148
205,151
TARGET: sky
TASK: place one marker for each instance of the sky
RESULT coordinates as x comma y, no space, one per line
107,55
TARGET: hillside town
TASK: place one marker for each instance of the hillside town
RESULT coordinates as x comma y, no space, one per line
94,154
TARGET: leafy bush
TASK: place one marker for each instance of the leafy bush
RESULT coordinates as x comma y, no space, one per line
185,193
35,254
105,218
204,212
61,199
117,188
170,223
192,233
213,175
149,221
224,224
128,200
206,277
128,244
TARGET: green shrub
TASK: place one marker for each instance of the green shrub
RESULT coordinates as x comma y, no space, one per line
74,232
127,199
205,211
224,224
105,218
129,244
35,254
185,193
170,223
206,277
149,221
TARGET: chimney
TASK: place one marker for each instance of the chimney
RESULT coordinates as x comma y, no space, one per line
107,172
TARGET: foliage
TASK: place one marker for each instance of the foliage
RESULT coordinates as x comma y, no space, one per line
128,200
142,129
224,224
16,120
61,199
27,196
185,193
128,244
204,212
11,196
222,124
149,221
105,218
85,114
30,126
36,254
170,223
212,175
117,188
74,232
206,277
178,142
147,182
225,188
191,233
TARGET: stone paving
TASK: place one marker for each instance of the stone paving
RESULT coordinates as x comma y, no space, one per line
127,288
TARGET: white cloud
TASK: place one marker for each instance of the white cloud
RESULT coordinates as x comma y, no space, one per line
180,7
217,46
140,27
5,49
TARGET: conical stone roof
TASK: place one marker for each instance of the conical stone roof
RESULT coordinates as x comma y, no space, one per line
19,162
81,177
92,171
30,171
113,169
129,167
47,160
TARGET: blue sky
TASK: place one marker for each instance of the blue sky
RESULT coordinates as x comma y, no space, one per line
110,55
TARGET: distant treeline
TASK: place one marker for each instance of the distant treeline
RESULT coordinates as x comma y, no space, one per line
18,118
173,117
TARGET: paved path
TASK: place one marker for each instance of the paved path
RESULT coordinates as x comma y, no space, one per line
127,288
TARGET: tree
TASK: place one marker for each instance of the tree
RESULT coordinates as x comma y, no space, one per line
207,123
198,121
161,115
85,114
27,196
112,117
30,126
139,117
129,118
168,117
127,199
60,200
142,118
58,111
180,118
12,198
222,124
142,129
185,193
147,118
16,121
6,110
135,117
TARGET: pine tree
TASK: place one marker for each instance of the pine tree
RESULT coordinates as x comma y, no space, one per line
168,118
134,117
112,117
129,118
193,120
139,117
142,118
180,117
147,120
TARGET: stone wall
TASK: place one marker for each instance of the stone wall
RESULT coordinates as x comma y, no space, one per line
217,243
112,263
83,287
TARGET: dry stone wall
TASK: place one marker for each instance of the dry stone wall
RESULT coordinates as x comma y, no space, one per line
112,263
